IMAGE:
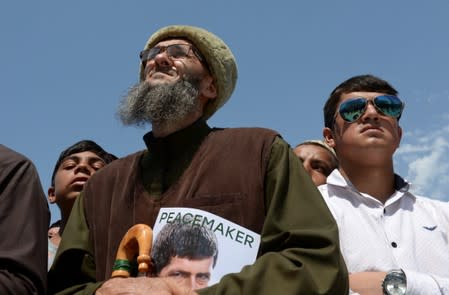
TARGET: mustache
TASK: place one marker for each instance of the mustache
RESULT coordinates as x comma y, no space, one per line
156,68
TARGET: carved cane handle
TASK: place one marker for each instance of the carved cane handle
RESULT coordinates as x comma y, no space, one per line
137,240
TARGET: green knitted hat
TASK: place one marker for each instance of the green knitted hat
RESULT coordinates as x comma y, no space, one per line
218,57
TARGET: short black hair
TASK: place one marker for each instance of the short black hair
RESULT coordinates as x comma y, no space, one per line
183,240
56,224
79,147
367,83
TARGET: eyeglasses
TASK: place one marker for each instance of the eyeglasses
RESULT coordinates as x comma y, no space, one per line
388,105
174,51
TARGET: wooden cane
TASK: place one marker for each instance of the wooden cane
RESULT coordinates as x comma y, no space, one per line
137,240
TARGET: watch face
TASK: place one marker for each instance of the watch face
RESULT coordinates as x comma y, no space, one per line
395,284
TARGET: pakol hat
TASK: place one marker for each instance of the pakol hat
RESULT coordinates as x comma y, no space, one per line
218,56
320,143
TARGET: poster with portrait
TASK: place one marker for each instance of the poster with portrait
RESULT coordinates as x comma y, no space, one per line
223,246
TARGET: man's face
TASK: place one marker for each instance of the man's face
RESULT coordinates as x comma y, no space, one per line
72,174
191,273
174,88
164,68
317,161
373,134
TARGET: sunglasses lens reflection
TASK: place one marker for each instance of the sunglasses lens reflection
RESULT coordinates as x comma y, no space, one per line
389,105
352,109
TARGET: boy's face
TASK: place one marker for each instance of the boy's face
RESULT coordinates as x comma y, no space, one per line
71,176
372,137
53,231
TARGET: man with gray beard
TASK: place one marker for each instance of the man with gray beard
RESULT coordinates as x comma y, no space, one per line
160,104
249,176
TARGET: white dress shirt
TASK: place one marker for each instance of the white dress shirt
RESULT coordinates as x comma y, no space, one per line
408,232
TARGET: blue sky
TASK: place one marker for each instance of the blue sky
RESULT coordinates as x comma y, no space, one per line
64,65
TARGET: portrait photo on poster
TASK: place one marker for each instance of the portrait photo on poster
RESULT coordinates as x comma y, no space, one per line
199,247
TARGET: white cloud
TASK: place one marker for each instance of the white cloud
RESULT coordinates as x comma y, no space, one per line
410,148
426,154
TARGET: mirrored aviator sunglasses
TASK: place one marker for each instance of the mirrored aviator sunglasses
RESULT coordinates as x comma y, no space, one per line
388,105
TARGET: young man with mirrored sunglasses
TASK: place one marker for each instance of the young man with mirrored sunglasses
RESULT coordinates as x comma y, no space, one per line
393,241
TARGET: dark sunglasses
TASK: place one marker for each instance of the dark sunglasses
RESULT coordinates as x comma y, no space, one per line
173,51
389,105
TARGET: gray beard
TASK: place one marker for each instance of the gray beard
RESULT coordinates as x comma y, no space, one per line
162,105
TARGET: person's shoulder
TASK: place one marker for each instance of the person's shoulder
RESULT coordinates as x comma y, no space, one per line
244,129
253,140
118,165
8,154
431,205
9,158
246,132
126,160
429,201
324,191
338,192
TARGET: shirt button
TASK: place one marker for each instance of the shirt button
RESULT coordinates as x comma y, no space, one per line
394,245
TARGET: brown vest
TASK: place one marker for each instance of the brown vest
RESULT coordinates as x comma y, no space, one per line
226,177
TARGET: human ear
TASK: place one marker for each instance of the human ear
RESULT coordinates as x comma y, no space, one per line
208,89
329,137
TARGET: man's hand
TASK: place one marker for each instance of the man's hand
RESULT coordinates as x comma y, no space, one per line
142,285
367,283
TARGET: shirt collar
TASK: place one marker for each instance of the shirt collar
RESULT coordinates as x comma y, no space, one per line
402,186
336,178
191,135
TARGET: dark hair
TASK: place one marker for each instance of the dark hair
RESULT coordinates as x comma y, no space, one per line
79,147
56,224
367,83
183,240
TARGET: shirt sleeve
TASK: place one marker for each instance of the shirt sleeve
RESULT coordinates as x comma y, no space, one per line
24,219
73,270
423,283
299,251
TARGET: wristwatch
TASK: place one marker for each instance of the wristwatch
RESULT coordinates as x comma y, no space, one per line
395,283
